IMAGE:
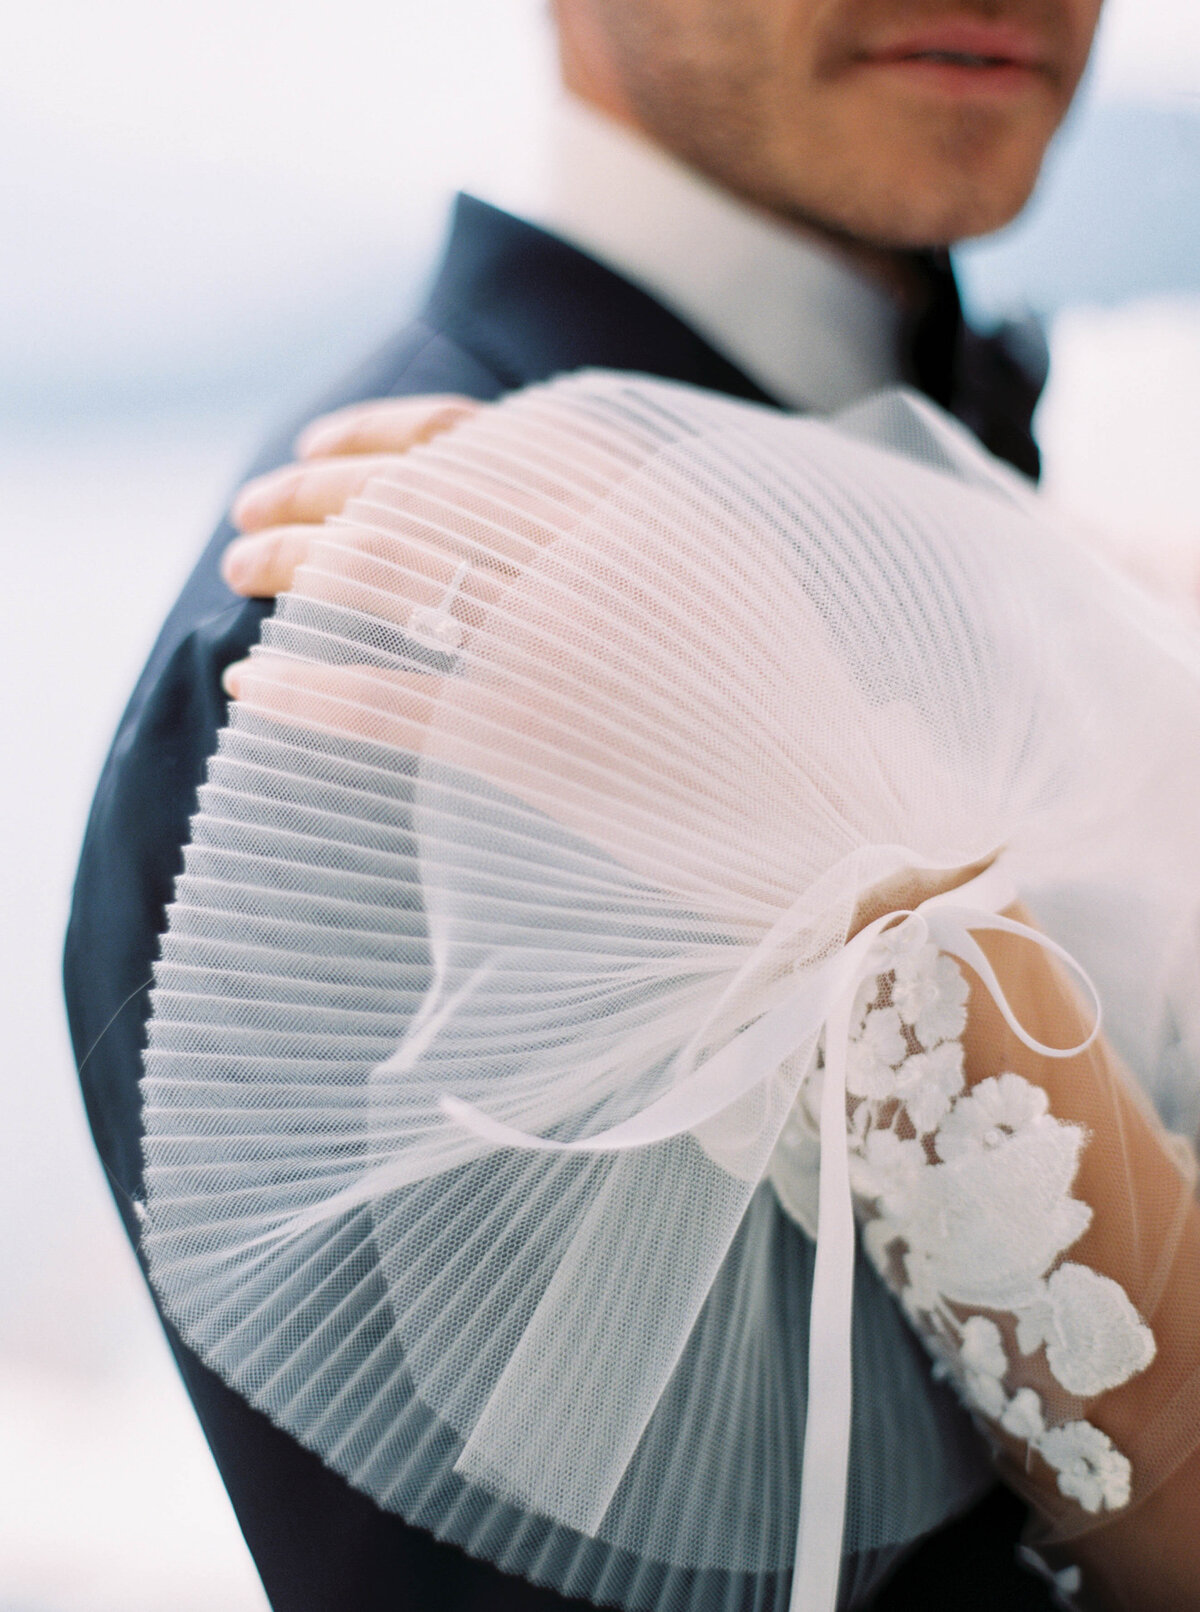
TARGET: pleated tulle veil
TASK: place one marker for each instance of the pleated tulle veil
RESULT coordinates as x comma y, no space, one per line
721,672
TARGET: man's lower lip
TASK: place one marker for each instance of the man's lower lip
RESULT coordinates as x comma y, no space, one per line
938,75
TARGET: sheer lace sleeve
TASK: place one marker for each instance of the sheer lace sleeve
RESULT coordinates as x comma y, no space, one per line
1036,1223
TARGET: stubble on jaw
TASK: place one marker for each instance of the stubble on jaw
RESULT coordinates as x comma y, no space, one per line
755,94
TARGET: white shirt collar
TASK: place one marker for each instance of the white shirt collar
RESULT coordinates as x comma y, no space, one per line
793,316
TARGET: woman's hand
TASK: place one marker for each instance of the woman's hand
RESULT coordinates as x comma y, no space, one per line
596,660
617,723
337,454
282,514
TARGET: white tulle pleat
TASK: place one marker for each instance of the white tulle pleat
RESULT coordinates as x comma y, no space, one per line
716,673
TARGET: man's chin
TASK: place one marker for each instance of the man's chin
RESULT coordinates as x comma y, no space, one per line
885,182
893,180
908,217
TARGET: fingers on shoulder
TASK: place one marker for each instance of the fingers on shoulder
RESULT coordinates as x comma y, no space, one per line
264,564
358,702
306,492
384,425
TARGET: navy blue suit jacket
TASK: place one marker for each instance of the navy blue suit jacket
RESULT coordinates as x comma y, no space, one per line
511,305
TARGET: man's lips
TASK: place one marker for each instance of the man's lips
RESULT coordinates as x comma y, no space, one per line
961,55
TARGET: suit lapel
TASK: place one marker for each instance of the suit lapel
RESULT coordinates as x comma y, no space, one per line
528,306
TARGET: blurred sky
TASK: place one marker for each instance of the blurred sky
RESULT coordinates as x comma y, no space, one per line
206,211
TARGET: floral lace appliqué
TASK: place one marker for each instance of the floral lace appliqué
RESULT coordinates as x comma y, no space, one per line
966,1203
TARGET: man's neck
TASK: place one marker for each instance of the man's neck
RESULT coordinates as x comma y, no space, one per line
802,320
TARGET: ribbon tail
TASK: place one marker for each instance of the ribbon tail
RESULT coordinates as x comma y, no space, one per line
826,1462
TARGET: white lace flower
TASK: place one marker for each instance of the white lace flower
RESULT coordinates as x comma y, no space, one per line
878,1236
1065,1583
914,980
1096,1339
864,998
904,940
943,1017
984,1393
928,1082
999,1107
980,1366
883,1244
870,1059
889,1170
982,1348
1023,1416
921,1295
995,1220
1090,1467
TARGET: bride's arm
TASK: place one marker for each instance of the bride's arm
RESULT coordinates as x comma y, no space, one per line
1145,1236
1077,1347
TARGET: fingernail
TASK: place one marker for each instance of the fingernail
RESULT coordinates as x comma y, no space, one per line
315,440
231,678
243,504
235,564
258,497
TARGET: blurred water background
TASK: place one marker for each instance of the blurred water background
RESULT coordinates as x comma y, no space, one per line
205,213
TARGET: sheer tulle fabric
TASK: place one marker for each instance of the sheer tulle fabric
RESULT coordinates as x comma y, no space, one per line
577,743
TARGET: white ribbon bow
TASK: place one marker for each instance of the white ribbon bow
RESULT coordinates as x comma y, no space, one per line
824,997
